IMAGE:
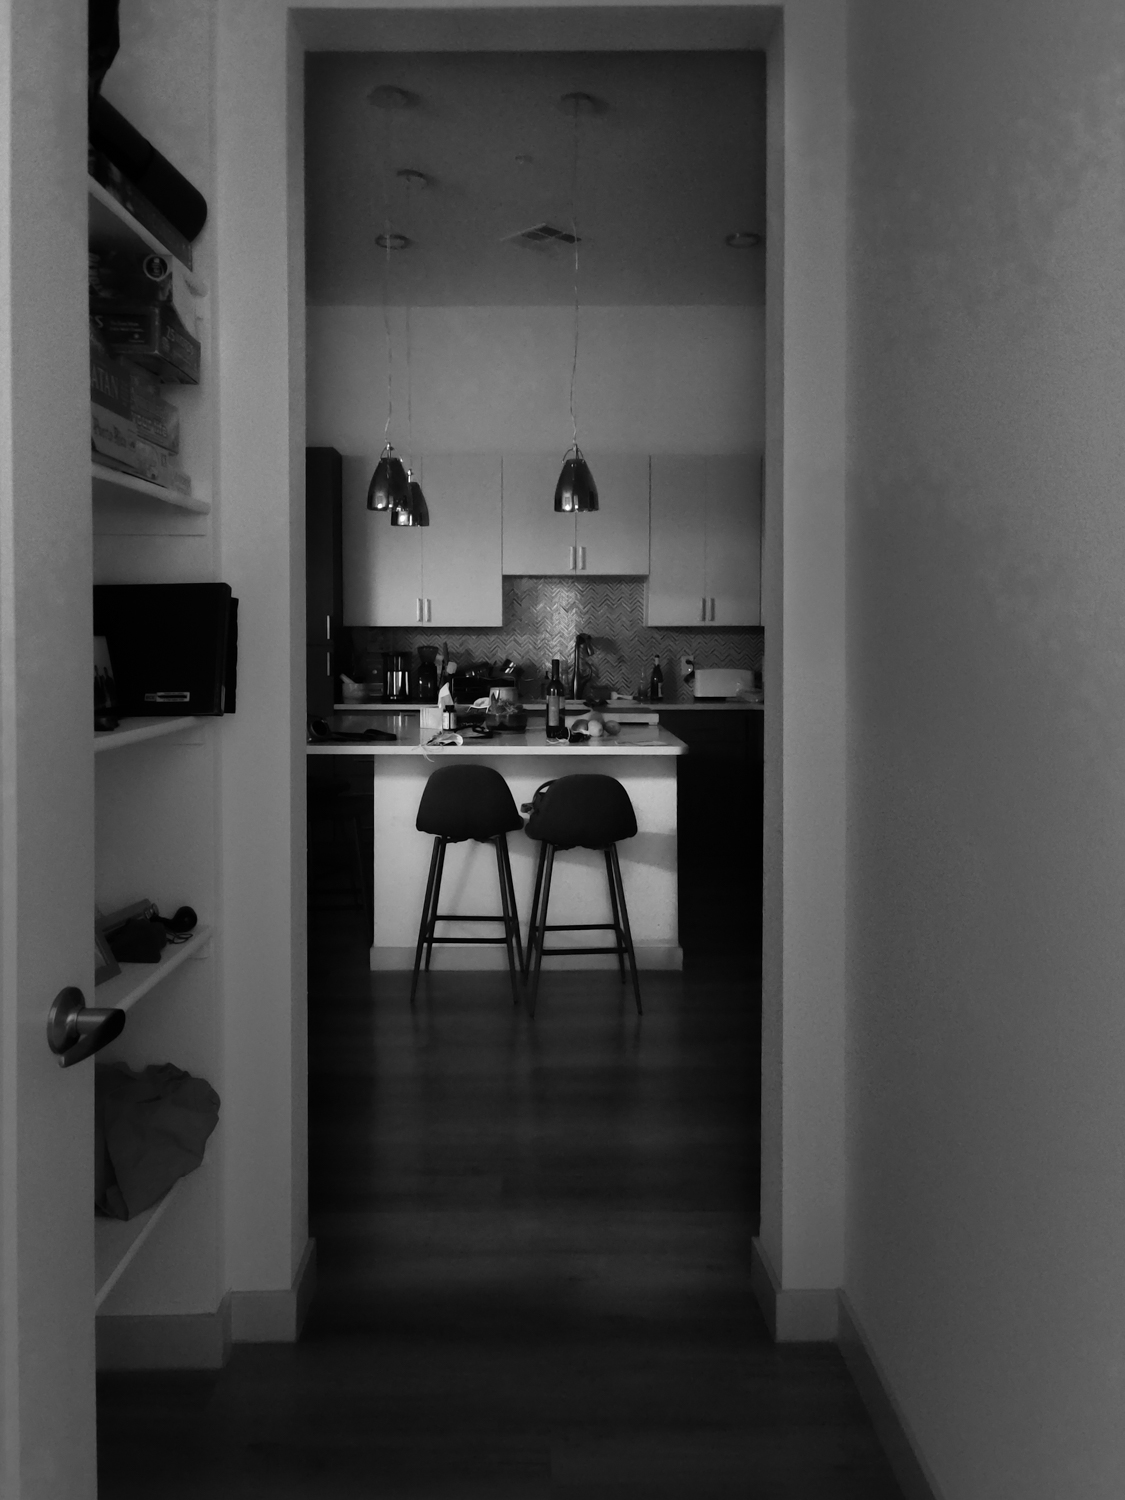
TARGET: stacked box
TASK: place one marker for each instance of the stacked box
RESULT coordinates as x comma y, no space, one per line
126,411
149,335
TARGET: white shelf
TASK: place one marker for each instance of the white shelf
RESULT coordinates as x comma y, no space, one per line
136,980
116,1242
110,220
114,483
134,731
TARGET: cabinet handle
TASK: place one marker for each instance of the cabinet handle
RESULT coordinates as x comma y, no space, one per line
429,611
712,606
328,627
582,559
328,664
703,610
418,606
573,559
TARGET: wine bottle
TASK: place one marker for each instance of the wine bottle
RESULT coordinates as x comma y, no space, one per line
556,717
656,682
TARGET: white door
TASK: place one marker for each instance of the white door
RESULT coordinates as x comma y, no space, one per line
614,538
462,584
538,540
47,1439
734,529
676,591
382,563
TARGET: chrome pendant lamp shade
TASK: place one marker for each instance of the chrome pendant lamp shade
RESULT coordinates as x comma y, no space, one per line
576,490
390,486
413,511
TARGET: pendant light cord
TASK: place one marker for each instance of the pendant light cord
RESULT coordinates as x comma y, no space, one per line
574,232
387,271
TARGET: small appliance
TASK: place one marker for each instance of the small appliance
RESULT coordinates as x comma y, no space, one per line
396,676
723,682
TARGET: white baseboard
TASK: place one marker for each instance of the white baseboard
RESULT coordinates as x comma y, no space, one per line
801,1316
449,956
176,1341
202,1341
891,1427
275,1317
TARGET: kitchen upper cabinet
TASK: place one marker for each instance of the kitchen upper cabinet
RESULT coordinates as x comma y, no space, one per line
447,573
612,540
461,575
705,564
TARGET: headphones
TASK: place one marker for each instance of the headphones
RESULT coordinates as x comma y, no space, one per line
181,921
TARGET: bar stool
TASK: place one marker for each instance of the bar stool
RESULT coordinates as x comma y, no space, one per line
580,812
459,803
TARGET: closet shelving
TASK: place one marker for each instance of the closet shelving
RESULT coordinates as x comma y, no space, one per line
141,530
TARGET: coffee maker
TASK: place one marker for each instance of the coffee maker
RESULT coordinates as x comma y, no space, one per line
396,676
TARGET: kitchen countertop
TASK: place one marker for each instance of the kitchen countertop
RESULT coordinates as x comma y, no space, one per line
634,740
537,705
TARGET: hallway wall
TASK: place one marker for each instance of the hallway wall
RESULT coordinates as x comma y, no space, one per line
986,643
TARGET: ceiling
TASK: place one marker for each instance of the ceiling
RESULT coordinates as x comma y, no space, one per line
670,164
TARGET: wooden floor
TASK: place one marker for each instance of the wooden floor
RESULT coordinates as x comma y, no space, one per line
533,1249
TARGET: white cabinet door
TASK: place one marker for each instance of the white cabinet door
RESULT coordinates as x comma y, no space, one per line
47,1442
614,538
382,563
537,538
676,593
734,528
461,578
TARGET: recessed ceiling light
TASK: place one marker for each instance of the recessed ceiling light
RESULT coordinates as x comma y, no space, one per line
387,96
578,103
392,241
744,239
412,177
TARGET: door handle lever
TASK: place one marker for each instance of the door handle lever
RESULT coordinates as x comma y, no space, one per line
76,1030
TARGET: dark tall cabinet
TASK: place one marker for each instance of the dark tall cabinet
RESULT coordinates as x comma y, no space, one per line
719,809
324,577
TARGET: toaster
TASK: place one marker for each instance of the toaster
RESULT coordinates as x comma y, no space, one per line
723,682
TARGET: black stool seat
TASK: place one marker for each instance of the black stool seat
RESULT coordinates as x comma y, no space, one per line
460,803
583,812
580,812
467,802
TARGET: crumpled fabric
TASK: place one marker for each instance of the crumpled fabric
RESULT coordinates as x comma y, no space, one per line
150,1129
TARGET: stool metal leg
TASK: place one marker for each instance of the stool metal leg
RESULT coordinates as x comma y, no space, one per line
507,905
625,926
425,926
512,900
444,842
529,951
619,936
541,926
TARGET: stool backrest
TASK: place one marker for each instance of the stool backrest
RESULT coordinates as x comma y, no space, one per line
583,812
467,802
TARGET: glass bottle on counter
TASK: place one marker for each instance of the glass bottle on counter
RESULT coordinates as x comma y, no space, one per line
656,682
556,700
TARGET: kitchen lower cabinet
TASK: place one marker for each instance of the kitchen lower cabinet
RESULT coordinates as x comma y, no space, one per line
447,573
719,823
705,554
611,541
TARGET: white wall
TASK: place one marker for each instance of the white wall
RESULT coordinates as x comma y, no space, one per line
486,379
986,851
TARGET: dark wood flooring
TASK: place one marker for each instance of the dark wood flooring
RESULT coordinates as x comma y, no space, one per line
533,1249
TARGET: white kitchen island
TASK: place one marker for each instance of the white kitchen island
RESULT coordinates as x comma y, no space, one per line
643,758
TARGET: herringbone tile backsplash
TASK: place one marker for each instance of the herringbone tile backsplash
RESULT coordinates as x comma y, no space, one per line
542,617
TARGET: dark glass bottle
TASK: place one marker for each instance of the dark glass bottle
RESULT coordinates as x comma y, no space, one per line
556,700
656,682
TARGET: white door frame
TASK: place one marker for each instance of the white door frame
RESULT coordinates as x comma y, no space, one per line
260,277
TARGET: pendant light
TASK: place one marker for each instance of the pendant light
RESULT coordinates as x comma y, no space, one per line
413,510
576,490
390,485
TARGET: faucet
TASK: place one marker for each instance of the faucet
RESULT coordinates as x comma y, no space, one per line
581,672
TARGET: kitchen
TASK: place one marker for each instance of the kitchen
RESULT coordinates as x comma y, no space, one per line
463,343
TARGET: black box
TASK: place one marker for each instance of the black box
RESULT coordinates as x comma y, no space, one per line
173,646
